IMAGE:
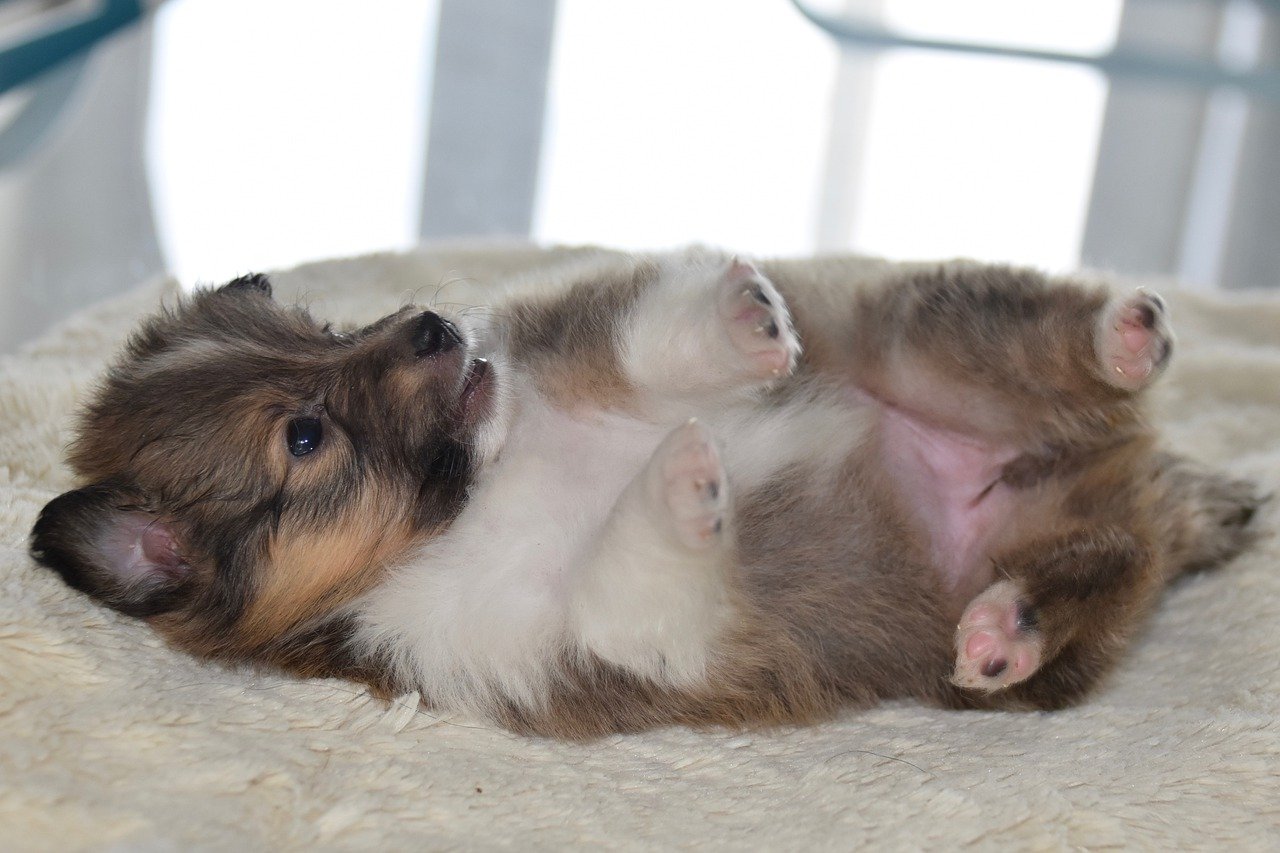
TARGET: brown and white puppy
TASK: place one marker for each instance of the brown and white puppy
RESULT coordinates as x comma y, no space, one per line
627,499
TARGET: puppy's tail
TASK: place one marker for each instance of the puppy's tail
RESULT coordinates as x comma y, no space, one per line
1204,518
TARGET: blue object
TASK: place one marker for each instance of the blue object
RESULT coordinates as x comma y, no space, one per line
38,54
49,95
1262,82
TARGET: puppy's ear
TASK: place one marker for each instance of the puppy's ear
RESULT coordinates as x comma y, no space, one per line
253,283
100,542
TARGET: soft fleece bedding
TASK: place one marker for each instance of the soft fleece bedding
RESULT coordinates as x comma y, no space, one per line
108,739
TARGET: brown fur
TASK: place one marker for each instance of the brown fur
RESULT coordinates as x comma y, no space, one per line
571,340
268,545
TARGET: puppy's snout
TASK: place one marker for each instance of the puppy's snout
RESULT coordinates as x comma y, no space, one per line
433,334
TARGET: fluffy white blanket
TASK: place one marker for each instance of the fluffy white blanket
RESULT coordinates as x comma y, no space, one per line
108,739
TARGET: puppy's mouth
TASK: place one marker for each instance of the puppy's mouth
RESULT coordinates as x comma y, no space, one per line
439,343
475,400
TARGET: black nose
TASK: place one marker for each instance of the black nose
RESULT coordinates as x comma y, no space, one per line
434,334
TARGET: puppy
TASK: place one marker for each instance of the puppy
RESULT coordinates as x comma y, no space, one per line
629,497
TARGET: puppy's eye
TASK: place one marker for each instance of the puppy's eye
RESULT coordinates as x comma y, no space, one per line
304,435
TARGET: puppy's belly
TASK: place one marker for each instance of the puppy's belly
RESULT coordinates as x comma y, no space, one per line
950,484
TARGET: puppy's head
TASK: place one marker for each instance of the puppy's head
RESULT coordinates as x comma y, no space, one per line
248,471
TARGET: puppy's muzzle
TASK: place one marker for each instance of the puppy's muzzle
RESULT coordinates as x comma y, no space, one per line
433,334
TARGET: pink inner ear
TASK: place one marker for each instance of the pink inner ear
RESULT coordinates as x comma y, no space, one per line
137,545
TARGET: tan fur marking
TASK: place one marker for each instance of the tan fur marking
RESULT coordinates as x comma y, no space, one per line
309,572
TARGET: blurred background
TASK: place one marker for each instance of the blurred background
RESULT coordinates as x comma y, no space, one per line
214,137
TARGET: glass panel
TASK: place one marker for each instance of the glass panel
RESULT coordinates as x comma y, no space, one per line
978,157
1070,26
670,121
287,130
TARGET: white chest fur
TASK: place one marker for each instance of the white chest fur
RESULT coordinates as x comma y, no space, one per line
482,609
482,612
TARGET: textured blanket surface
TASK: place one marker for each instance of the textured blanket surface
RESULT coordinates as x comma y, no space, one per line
109,739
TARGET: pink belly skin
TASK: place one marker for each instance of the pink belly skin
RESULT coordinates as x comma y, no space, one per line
950,482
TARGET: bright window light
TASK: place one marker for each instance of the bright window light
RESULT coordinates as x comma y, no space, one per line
672,121
980,157
1068,26
285,130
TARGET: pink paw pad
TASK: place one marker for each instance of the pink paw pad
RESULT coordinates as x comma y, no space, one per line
996,644
1134,340
759,325
692,485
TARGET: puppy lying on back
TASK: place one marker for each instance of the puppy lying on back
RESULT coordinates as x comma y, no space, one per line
630,497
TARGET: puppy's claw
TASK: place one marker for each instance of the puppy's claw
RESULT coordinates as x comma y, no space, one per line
759,326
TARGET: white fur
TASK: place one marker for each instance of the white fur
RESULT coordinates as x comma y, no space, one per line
651,595
679,345
565,547
482,610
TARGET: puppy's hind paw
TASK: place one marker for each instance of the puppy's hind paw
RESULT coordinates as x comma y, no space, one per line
1134,340
996,641
690,484
758,323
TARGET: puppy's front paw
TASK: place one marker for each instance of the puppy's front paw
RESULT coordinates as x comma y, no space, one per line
996,641
758,323
1134,340
690,487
